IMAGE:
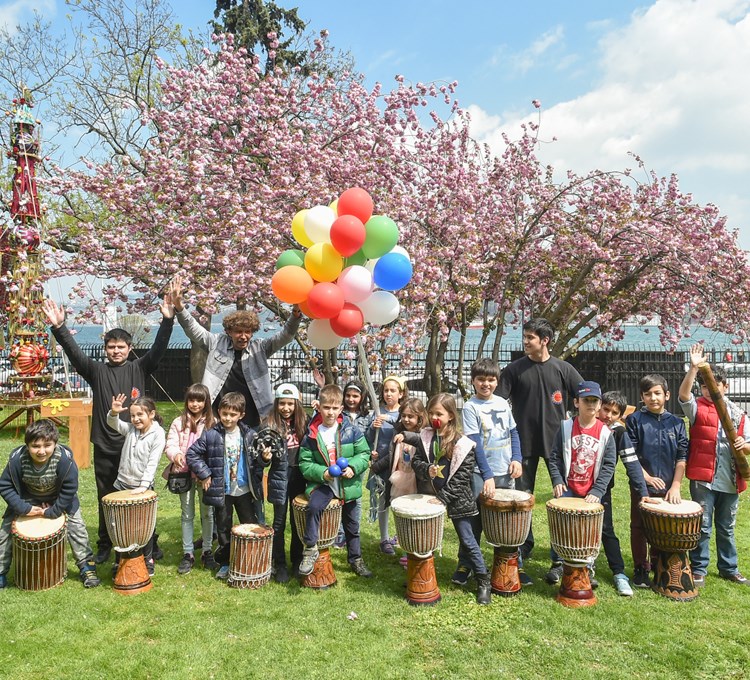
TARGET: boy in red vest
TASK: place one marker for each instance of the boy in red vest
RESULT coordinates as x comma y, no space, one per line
714,481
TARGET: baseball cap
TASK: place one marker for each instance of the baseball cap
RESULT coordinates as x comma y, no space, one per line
286,391
588,388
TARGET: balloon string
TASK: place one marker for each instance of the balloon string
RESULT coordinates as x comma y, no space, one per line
369,384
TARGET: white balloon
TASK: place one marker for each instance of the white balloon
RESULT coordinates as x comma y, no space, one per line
356,283
370,264
321,335
380,308
318,221
402,251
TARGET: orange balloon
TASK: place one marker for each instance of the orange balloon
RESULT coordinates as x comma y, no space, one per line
305,309
291,284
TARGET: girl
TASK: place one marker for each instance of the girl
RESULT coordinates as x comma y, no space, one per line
196,417
392,393
285,481
355,409
444,465
144,443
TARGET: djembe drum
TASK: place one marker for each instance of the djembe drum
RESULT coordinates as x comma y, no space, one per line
673,529
575,533
39,552
322,576
250,556
419,525
130,519
506,520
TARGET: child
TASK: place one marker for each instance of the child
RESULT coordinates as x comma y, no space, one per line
661,444
379,435
355,409
232,479
285,481
488,422
196,417
144,443
41,480
714,481
612,409
582,460
329,438
444,464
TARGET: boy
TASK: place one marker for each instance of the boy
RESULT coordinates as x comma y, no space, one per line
488,422
612,409
41,480
714,481
231,477
582,460
329,438
660,442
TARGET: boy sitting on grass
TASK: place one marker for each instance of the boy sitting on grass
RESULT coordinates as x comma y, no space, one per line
41,480
330,438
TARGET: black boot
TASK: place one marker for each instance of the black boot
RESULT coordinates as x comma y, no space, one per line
484,590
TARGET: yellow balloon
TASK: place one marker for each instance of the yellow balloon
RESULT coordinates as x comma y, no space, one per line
323,262
334,206
298,229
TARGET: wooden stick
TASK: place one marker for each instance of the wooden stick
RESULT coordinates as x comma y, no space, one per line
740,457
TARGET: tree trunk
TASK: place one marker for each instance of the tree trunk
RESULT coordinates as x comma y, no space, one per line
198,355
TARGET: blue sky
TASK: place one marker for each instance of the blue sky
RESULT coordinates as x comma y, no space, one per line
665,79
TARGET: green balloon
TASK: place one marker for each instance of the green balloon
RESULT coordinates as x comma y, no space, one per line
382,235
358,258
293,258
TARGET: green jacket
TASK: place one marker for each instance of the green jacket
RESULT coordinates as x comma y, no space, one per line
314,459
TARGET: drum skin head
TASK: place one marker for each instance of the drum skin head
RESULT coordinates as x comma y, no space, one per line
569,504
416,505
509,500
38,527
251,530
301,502
665,508
126,496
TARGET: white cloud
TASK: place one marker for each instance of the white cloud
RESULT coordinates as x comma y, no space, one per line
674,91
13,13
521,62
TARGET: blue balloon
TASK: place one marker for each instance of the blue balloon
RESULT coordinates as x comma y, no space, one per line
334,470
392,271
343,463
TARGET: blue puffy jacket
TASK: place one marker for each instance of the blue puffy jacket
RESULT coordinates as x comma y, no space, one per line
206,459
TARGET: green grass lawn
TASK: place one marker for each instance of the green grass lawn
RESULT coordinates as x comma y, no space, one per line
196,626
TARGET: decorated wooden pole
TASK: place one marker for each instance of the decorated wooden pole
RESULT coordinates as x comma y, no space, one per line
740,458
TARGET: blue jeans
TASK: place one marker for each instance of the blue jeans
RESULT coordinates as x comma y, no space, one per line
720,509
472,552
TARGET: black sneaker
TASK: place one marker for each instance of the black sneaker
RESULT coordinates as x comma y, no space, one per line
208,561
281,575
641,578
462,575
102,555
360,568
150,566
524,578
186,564
89,577
554,574
735,578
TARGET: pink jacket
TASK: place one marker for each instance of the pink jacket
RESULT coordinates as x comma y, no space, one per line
179,440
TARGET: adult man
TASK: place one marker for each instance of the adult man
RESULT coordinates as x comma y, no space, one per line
539,387
116,375
236,362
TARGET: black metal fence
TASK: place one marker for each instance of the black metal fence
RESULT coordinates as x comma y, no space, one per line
613,369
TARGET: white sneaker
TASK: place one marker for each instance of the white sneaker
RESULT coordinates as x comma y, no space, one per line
622,585
309,557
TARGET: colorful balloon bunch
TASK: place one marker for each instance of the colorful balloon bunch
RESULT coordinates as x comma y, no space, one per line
350,253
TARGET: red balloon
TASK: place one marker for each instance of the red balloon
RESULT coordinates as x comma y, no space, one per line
349,321
347,235
325,300
357,202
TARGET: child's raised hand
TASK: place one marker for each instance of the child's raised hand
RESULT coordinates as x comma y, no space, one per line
697,355
167,308
175,293
118,403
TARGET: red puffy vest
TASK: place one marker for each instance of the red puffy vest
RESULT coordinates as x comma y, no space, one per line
701,462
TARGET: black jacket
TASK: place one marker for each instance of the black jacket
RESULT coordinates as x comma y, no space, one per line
20,500
206,459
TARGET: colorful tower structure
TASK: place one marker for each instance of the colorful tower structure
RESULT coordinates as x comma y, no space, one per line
21,291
